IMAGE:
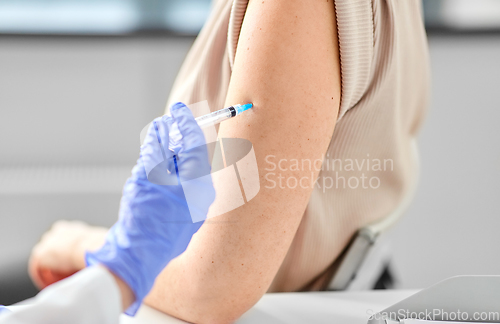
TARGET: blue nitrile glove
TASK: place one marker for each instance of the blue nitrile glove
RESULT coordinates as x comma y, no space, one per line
159,216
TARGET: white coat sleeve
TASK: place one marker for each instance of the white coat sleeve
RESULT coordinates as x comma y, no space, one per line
89,296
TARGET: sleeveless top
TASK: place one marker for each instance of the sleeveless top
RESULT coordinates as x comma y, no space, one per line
384,93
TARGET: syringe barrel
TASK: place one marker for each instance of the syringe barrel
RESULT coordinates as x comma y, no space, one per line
216,117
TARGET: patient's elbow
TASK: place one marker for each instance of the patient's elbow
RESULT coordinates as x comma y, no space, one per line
218,319
222,313
216,308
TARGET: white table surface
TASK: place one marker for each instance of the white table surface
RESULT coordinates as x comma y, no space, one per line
291,308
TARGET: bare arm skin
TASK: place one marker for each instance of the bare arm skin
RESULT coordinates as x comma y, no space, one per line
287,62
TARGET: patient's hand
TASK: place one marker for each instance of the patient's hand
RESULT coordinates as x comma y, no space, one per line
61,251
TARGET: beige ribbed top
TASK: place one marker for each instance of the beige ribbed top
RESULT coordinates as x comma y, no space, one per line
385,78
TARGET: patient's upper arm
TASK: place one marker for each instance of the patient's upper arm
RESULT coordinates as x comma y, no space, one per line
287,65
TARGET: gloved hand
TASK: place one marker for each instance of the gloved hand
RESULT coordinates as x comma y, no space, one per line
159,216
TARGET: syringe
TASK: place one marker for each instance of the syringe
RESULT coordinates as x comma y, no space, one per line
220,115
213,118
204,121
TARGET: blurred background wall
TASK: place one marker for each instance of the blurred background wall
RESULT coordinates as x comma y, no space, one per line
80,79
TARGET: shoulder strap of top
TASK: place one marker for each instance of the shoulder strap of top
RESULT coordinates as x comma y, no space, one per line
355,32
235,20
